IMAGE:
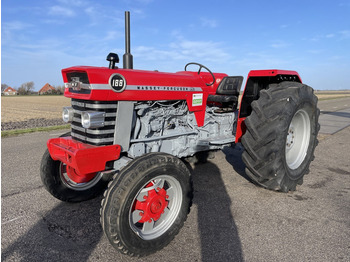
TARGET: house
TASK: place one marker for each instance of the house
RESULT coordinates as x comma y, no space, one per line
10,91
47,89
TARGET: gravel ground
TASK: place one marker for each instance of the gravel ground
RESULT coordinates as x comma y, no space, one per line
31,123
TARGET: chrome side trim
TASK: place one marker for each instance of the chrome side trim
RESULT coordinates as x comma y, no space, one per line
77,85
149,88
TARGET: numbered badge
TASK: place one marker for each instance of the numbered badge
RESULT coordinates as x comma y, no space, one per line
117,82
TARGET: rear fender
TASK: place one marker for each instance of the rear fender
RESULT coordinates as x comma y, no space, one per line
256,81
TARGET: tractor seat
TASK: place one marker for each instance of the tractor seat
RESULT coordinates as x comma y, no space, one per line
228,90
230,85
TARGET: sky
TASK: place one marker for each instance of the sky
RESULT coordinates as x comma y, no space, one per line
41,37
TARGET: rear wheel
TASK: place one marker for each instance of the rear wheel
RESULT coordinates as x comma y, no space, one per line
281,136
146,204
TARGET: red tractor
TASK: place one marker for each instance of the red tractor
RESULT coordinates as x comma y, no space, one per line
132,129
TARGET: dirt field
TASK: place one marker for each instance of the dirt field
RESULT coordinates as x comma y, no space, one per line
324,95
22,108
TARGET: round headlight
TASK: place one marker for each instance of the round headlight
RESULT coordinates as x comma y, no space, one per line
67,114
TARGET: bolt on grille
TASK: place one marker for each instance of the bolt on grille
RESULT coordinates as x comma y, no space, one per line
94,136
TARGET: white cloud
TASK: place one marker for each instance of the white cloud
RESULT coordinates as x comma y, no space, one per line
145,2
207,50
266,60
340,35
345,34
10,31
206,22
14,25
316,51
110,35
73,2
138,2
54,21
61,11
177,53
100,16
347,4
279,44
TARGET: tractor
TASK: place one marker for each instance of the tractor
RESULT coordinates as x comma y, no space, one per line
132,131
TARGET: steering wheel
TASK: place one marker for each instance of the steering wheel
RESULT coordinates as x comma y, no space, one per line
200,68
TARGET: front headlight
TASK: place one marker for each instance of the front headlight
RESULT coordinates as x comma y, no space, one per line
67,114
91,119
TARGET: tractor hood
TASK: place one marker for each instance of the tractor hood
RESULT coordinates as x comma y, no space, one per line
104,84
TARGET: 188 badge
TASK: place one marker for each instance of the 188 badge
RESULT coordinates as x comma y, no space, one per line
117,82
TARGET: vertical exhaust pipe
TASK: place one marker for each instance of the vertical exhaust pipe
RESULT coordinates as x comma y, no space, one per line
127,57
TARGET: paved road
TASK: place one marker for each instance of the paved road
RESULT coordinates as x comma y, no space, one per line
335,115
231,219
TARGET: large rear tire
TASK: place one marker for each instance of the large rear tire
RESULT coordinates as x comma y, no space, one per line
146,204
281,136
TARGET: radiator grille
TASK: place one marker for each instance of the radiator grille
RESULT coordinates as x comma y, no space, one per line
94,136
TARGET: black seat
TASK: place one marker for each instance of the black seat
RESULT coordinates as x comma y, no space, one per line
230,85
228,91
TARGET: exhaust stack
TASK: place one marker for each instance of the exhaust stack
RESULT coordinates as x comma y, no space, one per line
127,57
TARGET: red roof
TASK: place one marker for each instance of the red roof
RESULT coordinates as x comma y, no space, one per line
10,89
47,87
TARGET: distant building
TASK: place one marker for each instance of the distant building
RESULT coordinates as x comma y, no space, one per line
10,91
47,89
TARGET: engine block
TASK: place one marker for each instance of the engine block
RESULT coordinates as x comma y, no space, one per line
170,127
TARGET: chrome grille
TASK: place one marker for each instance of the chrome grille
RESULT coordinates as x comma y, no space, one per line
94,136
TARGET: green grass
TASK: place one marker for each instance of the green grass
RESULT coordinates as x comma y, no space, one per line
31,130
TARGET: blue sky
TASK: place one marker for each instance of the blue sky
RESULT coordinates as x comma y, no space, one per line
39,38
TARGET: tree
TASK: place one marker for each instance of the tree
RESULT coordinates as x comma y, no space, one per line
59,90
3,87
26,88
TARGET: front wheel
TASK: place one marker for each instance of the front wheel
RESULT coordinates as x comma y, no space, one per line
146,205
281,136
54,175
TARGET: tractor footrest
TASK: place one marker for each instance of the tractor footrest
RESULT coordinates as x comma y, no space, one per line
222,140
